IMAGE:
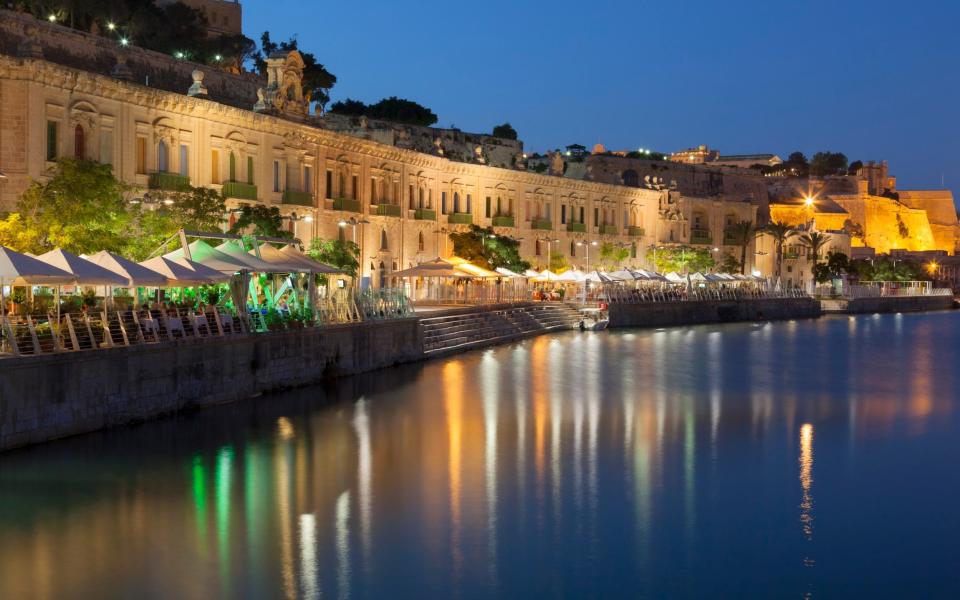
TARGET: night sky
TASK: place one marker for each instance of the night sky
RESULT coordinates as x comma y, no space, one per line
875,80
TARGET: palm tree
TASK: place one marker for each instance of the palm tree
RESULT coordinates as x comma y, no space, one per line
780,232
814,242
742,233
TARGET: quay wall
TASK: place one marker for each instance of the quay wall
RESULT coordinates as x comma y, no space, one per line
50,396
667,314
888,304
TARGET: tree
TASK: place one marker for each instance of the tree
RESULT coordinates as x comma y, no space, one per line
814,241
393,109
343,254
317,80
680,259
195,209
485,248
796,164
902,228
854,230
828,163
82,208
558,262
730,264
780,232
505,131
855,167
611,255
265,221
742,232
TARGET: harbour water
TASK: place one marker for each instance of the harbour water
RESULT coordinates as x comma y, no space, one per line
791,459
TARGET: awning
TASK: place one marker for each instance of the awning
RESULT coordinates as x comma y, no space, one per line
184,273
508,273
467,266
434,268
19,269
235,249
136,275
208,256
315,265
280,262
85,272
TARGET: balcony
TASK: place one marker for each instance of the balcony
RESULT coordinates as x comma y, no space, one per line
171,182
346,204
544,224
239,190
425,214
460,219
577,227
388,210
700,236
731,241
635,231
608,230
298,198
503,221
788,255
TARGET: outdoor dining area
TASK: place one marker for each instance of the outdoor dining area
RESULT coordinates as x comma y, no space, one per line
59,301
455,281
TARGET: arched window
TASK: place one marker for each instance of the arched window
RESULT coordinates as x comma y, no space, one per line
383,240
162,158
420,244
79,142
233,167
630,178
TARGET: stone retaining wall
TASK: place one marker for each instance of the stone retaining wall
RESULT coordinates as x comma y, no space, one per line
888,304
50,396
666,314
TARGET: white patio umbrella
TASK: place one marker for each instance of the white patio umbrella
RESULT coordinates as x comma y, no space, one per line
316,266
280,262
236,250
136,275
19,270
206,255
86,272
508,273
183,272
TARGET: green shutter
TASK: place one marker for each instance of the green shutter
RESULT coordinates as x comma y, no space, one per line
250,170
233,167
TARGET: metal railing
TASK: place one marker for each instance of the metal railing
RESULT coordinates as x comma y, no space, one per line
882,289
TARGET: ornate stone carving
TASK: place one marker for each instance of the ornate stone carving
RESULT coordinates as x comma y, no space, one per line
438,147
284,92
479,156
121,70
557,164
197,88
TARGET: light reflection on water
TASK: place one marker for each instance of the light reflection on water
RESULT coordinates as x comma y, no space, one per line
643,464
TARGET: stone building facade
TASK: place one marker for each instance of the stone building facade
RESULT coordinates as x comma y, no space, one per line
398,204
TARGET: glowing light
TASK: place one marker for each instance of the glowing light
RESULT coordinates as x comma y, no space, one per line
168,202
308,219
178,54
124,41
218,58
342,223
806,479
808,201
52,18
111,26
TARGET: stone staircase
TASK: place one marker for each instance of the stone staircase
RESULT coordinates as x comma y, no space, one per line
481,327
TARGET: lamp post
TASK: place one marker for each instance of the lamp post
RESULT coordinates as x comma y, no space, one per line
587,246
549,242
353,222
438,232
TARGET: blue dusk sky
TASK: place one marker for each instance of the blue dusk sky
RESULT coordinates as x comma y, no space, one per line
875,80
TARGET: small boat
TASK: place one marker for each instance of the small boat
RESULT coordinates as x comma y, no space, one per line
593,319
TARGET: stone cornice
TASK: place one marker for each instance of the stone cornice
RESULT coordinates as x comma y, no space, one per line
93,84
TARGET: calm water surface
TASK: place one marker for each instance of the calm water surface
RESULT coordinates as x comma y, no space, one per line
780,460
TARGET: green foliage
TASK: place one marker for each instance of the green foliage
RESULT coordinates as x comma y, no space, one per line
558,262
393,109
742,232
902,228
256,219
828,163
855,167
505,131
317,80
81,208
484,248
729,264
780,232
611,255
886,269
814,242
681,259
344,255
854,229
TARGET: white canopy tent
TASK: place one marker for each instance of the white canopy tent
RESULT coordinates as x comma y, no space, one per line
236,250
206,255
84,271
183,273
21,270
136,275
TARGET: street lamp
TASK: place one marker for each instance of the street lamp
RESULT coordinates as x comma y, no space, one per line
549,242
352,222
3,175
438,232
587,246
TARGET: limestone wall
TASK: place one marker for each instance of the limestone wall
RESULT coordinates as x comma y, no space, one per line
51,396
666,314
72,48
888,304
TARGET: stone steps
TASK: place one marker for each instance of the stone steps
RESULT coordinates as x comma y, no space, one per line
454,333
